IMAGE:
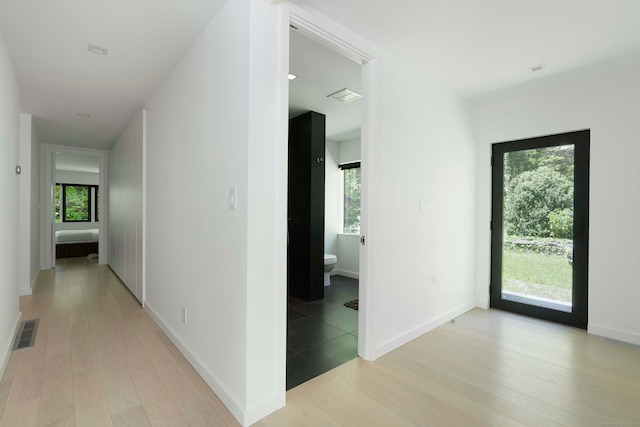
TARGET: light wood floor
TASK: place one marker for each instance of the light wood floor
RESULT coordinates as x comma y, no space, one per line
489,368
100,360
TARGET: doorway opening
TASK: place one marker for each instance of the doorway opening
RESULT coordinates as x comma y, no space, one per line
76,206
73,192
540,227
323,332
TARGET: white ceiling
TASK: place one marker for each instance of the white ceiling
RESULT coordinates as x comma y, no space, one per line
60,78
322,71
473,46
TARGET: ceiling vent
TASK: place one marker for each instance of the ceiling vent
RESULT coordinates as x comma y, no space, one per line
97,49
538,67
345,95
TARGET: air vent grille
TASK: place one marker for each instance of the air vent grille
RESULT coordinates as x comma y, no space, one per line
26,334
345,95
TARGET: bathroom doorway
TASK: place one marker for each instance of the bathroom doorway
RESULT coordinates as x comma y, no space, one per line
323,321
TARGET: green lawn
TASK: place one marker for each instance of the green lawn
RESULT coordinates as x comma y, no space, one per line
536,268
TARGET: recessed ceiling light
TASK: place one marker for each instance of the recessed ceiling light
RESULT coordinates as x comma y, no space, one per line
97,49
345,95
538,67
84,115
292,76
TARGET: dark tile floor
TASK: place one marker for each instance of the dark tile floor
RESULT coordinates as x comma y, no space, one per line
321,334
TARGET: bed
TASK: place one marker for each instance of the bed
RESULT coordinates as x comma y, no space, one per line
76,243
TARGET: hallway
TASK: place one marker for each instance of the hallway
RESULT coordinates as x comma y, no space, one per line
99,360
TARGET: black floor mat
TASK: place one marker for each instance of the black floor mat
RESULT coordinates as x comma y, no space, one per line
352,304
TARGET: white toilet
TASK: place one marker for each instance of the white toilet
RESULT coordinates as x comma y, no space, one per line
329,262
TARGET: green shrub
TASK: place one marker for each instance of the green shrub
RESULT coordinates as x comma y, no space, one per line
561,223
531,197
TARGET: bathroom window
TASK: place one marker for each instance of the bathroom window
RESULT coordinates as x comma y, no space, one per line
351,199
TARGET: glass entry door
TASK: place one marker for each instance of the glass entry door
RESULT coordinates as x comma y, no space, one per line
539,227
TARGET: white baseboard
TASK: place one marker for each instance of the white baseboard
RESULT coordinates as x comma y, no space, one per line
258,412
614,334
402,339
483,301
6,347
29,291
34,279
351,274
216,385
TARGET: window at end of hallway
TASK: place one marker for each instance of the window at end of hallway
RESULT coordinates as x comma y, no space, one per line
351,199
73,203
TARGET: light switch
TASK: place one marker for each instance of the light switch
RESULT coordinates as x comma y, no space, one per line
233,199
423,204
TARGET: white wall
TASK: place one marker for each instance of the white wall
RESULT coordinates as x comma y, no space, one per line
349,151
87,178
125,206
72,177
9,146
602,98
219,121
423,262
348,254
332,198
29,218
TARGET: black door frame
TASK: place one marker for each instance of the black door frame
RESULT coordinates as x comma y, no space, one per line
581,141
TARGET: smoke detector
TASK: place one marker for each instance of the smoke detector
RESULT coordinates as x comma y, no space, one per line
538,67
97,49
345,95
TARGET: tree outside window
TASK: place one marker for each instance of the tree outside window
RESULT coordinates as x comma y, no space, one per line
58,203
351,173
73,202
77,205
